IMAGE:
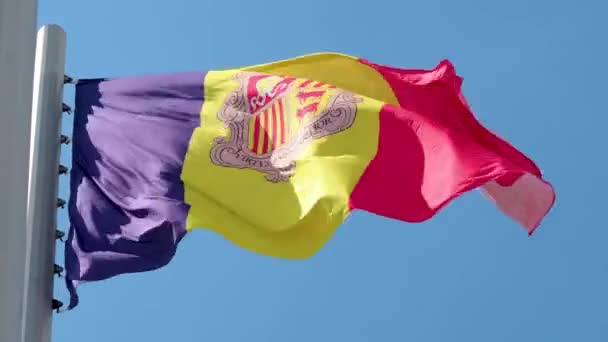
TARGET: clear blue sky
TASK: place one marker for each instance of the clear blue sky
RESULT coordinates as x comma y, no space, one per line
534,73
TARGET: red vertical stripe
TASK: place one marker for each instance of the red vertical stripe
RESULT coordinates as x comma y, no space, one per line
408,179
274,126
266,137
256,134
282,120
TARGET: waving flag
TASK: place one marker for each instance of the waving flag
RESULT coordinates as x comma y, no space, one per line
274,157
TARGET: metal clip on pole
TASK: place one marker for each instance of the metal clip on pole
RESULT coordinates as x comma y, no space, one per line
57,270
65,140
63,170
69,80
66,108
56,305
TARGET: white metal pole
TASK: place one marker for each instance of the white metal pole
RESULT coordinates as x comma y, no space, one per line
43,183
17,41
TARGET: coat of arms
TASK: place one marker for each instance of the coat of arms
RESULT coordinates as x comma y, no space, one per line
273,118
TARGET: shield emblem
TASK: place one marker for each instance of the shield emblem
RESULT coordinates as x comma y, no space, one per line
273,118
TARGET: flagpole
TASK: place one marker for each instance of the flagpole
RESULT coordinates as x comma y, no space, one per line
43,182
17,41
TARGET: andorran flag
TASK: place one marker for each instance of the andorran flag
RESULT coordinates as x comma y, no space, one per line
274,157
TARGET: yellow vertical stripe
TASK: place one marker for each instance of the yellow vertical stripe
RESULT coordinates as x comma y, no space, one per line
292,218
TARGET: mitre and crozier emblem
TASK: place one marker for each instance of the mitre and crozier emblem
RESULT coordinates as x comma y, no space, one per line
273,118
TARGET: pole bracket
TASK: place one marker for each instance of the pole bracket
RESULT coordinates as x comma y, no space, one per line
57,270
69,80
56,305
66,108
65,140
63,170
